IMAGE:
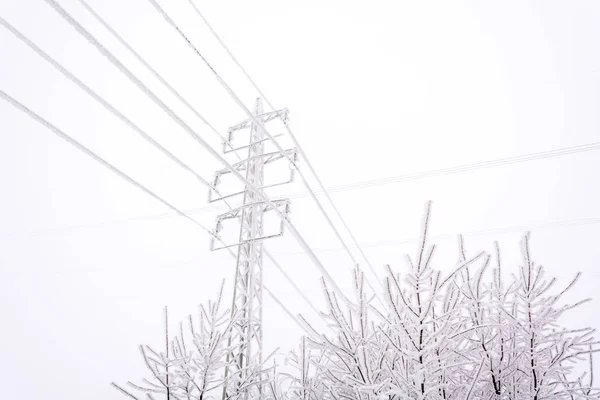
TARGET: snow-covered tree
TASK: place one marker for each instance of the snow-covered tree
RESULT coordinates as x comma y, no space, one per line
195,368
471,333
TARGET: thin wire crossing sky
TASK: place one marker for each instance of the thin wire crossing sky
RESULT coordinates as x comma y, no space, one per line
488,110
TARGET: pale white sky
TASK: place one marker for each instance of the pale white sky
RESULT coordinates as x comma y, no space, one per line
375,91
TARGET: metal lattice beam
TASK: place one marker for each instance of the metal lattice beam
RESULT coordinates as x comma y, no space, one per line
246,342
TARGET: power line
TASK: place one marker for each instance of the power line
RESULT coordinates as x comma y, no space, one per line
138,130
447,170
64,136
363,184
324,190
152,70
479,232
96,157
260,125
511,229
174,92
89,91
291,281
300,149
466,167
576,149
92,40
352,186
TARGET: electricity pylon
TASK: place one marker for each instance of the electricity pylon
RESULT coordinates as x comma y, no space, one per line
246,342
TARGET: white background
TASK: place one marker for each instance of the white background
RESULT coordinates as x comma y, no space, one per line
376,89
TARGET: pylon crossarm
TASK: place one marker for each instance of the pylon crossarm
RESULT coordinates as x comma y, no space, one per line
265,159
265,207
217,242
228,146
227,196
266,117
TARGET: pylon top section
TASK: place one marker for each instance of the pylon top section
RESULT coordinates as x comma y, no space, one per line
228,145
254,156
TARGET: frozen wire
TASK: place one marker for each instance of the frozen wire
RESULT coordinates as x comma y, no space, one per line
136,128
295,318
467,167
263,129
64,136
174,92
291,281
236,98
435,173
387,181
9,99
302,153
108,106
153,71
324,190
92,40
520,228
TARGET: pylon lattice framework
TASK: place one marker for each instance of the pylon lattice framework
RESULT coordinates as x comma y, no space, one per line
246,343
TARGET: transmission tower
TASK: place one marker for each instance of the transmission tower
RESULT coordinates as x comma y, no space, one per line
246,342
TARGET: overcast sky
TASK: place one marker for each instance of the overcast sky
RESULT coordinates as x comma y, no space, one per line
375,90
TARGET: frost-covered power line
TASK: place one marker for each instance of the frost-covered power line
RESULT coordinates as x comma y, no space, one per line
326,191
109,107
69,139
18,105
156,100
562,151
261,127
153,71
399,179
323,189
502,230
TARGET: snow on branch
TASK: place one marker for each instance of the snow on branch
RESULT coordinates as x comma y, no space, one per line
472,333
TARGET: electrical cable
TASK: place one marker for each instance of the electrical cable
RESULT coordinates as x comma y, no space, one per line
260,125
352,186
69,139
138,130
153,71
109,107
174,92
375,182
324,190
465,167
92,40
300,149
511,161
96,157
510,229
